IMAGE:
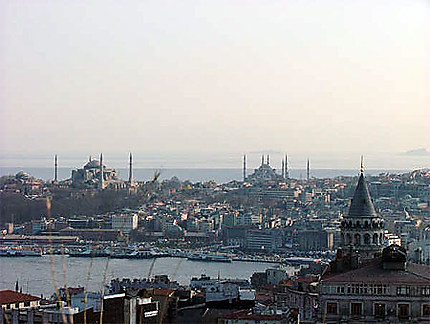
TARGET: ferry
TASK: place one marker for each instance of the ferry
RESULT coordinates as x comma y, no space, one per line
20,252
209,257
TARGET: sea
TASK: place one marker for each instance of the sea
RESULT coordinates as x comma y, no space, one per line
220,168
41,275
193,175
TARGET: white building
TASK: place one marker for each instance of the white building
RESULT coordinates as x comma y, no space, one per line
125,222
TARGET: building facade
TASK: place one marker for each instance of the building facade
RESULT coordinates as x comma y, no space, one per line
368,283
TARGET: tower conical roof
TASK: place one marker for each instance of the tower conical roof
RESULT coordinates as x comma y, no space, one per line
361,204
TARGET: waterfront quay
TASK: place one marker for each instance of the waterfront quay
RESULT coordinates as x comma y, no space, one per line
147,251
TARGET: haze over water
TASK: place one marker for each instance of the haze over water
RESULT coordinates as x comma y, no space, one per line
221,168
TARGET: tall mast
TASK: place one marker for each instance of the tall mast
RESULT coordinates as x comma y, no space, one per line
130,171
55,168
244,167
283,169
308,173
101,184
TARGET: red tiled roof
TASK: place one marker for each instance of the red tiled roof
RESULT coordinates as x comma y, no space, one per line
307,279
10,297
286,282
162,291
374,273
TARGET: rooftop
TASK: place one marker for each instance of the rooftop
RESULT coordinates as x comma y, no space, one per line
361,204
374,273
246,314
11,297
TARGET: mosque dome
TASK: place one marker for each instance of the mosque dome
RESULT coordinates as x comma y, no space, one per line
92,164
22,175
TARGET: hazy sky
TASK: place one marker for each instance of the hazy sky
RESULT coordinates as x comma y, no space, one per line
214,76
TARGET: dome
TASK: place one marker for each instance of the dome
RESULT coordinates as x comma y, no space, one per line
22,175
92,164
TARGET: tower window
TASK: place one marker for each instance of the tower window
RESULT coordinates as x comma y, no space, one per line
366,238
357,239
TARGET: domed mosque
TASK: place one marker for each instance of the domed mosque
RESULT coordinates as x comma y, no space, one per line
95,174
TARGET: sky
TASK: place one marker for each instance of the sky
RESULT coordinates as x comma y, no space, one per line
214,77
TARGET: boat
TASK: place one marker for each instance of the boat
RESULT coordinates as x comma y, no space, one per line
19,252
142,254
86,253
209,257
29,253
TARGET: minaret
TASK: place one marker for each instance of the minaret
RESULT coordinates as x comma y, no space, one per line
308,171
362,230
244,167
101,180
283,169
262,159
287,175
55,169
268,159
130,170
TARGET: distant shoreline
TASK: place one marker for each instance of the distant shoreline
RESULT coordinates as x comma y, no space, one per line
219,175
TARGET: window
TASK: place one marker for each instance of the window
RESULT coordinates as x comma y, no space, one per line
379,310
403,311
357,239
340,289
366,238
26,304
348,239
403,290
426,310
332,308
356,309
